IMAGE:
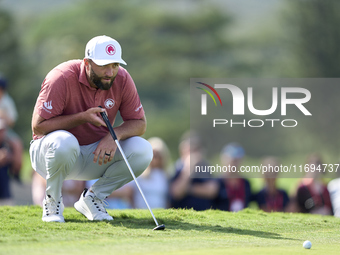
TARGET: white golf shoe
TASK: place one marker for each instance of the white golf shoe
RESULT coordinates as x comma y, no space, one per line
53,210
92,207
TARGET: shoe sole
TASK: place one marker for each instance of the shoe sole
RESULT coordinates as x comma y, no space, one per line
53,219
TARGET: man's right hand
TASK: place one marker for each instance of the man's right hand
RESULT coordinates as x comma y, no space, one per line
92,116
41,126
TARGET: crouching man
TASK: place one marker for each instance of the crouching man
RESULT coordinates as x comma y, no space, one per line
70,139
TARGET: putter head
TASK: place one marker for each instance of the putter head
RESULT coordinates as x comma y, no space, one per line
160,227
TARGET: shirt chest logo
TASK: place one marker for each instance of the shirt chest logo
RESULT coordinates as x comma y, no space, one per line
109,103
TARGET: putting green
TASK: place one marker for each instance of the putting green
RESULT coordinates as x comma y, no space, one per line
187,232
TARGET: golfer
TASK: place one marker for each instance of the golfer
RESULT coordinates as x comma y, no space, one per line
71,140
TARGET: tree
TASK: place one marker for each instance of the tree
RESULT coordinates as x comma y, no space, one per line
8,45
163,49
315,36
312,43
12,67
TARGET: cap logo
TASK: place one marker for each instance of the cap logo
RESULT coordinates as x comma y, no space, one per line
110,49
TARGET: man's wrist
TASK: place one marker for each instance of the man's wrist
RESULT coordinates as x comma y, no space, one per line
81,116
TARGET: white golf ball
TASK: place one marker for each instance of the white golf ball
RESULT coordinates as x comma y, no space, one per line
307,244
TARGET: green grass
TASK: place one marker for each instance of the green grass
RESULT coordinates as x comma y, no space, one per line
187,232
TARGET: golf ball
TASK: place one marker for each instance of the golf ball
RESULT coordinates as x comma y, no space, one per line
307,244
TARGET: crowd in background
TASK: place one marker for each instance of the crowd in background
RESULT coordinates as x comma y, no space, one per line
232,192
11,148
180,187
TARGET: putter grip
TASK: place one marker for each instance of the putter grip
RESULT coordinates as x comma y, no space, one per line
108,124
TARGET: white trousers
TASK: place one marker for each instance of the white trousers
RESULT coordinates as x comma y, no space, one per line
58,157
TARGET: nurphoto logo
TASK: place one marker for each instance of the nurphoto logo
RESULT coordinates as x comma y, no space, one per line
204,97
238,104
288,118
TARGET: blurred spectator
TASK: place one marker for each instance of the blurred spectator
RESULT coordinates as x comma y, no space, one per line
9,113
312,195
5,161
234,191
271,198
38,188
197,191
334,192
71,190
153,182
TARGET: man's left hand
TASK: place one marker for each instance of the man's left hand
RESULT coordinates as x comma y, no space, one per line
105,150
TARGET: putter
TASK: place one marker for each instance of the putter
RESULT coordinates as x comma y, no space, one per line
113,134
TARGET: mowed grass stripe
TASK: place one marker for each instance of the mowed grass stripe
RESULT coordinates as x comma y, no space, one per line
187,232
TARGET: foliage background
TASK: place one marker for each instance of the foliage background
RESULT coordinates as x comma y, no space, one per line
167,43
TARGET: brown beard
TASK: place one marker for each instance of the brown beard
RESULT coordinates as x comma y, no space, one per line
98,82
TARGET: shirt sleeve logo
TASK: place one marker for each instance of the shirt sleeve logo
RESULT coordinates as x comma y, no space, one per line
48,106
138,108
109,103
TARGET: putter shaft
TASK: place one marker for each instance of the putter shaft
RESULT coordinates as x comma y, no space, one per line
134,177
112,132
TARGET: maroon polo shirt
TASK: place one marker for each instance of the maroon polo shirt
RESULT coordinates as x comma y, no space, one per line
66,91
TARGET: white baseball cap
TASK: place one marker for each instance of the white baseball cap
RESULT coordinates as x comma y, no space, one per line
104,50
